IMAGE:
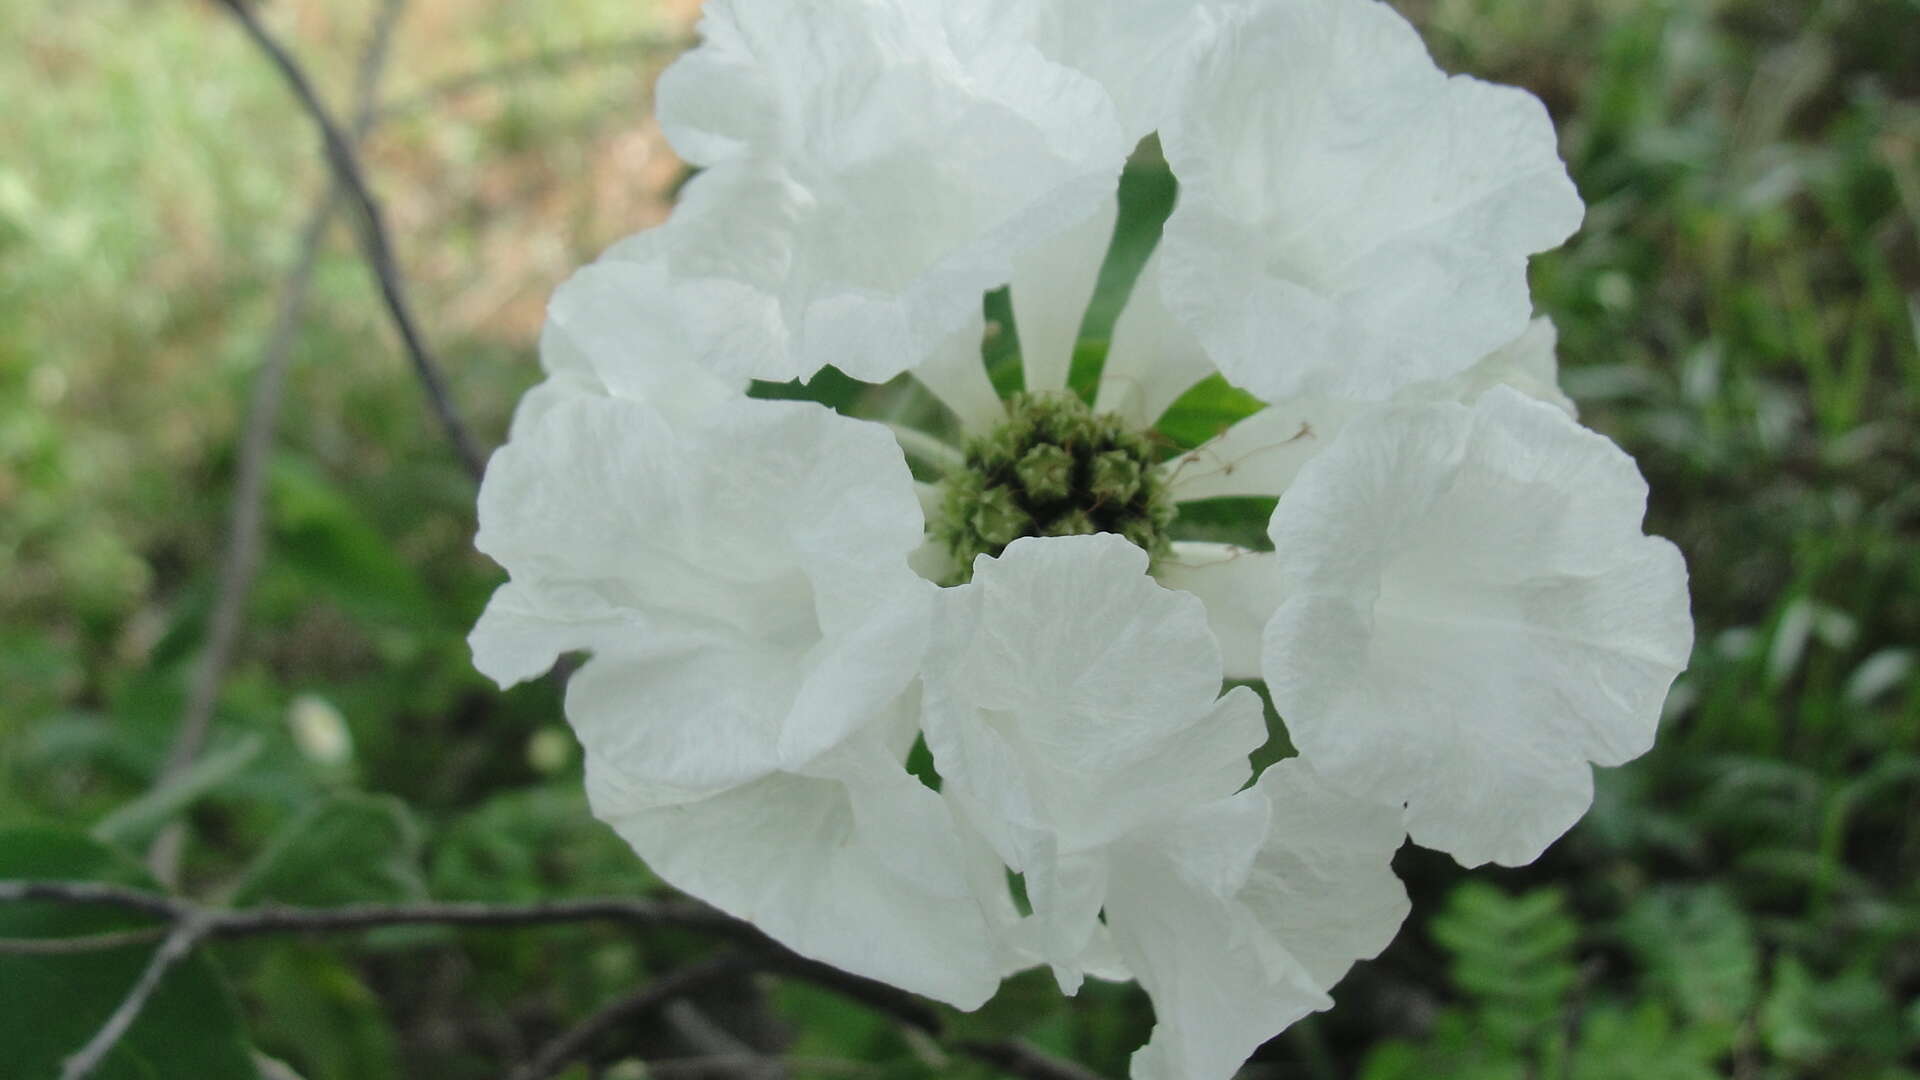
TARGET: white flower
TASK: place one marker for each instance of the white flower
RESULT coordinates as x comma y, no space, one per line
1074,721
872,166
1458,616
1470,616
740,578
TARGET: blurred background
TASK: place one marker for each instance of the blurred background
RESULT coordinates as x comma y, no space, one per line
1741,312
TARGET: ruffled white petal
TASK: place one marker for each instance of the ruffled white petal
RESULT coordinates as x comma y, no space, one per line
851,861
956,374
1072,701
1240,916
1352,220
1472,615
1323,884
1052,283
872,167
742,580
1153,358
615,323
1529,363
1241,590
1137,49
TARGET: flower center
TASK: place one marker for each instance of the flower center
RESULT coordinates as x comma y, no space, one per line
1054,468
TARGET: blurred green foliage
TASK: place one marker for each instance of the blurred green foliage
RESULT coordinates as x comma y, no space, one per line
1741,312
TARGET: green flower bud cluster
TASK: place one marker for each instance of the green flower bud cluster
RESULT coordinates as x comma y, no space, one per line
1054,468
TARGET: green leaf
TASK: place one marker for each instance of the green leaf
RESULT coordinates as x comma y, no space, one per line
51,1005
316,1013
1807,1020
1212,406
137,821
1698,946
1513,955
347,848
1640,1043
325,542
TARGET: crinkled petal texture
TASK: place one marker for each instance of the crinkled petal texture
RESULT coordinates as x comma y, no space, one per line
872,167
1073,701
850,860
614,328
740,576
1238,917
1137,49
741,580
1351,219
1471,616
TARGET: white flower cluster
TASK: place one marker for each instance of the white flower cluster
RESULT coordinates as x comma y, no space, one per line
1458,614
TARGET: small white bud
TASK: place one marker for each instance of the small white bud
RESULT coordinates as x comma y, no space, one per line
320,731
549,750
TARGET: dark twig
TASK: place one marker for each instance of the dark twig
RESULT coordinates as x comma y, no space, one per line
179,942
544,63
578,1042
1011,1056
246,515
85,943
276,918
1024,1060
345,163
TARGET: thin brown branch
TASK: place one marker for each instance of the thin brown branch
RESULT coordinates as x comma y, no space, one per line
277,918
576,1043
1021,1059
345,163
246,516
179,942
85,943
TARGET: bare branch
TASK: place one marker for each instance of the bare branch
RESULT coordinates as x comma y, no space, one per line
246,516
576,1043
1017,1058
279,918
184,936
346,167
85,943
95,894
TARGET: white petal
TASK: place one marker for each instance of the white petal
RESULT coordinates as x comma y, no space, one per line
1323,884
1261,454
1220,985
956,373
870,172
742,581
1472,616
1153,358
1241,590
1062,666
1137,49
1239,917
855,864
1052,283
1528,363
1351,220
615,322
1072,702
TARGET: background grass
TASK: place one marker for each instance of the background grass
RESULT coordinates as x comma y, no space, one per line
1741,312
